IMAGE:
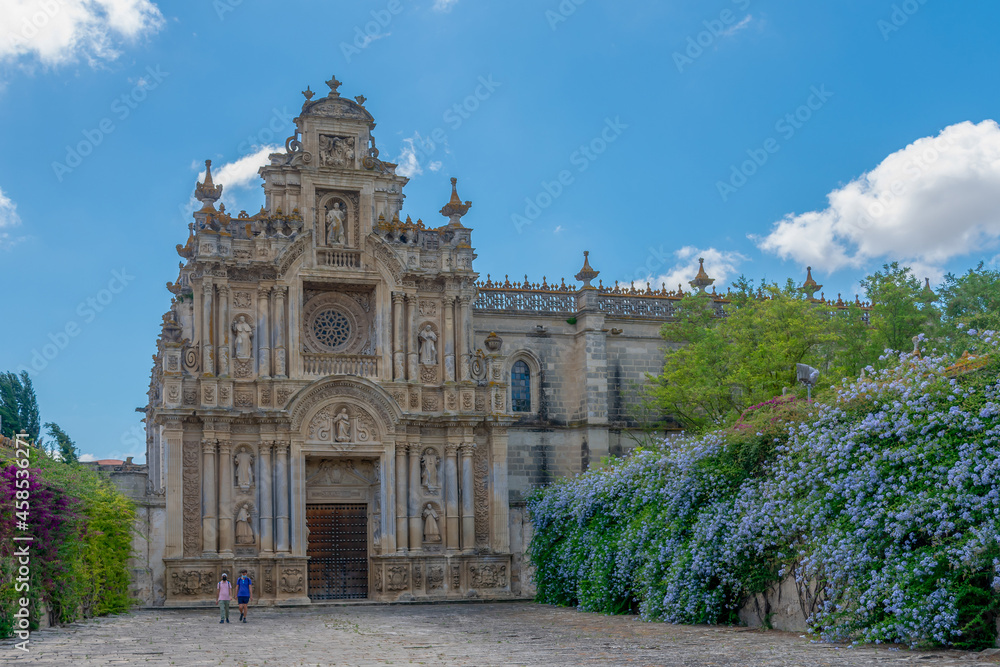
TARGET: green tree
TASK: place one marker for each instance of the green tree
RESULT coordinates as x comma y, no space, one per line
717,367
969,301
64,444
901,308
18,406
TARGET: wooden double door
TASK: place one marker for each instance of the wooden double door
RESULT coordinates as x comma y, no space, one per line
338,551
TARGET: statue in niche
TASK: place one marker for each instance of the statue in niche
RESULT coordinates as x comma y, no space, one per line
429,476
428,346
244,531
244,333
244,469
431,531
342,426
335,219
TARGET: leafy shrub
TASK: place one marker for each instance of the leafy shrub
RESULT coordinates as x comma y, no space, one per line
884,494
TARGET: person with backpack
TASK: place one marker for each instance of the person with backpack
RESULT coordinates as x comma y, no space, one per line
225,596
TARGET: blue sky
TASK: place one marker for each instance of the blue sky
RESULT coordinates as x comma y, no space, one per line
764,136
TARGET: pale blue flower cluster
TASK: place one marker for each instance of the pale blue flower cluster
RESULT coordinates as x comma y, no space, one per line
886,498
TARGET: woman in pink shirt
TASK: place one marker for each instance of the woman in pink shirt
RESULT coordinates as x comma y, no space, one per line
225,595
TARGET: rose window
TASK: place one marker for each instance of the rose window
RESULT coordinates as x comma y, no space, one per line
332,328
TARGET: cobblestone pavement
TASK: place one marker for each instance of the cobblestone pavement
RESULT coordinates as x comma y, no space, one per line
447,634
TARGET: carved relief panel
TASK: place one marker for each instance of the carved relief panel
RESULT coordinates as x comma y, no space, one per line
342,427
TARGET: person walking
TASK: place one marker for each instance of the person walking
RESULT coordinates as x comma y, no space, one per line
244,593
225,596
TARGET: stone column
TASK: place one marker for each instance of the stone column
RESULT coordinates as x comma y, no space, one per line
402,531
398,356
415,510
463,337
449,339
412,369
208,486
266,501
207,356
451,498
226,534
263,333
297,493
281,494
172,440
468,497
499,500
223,329
280,361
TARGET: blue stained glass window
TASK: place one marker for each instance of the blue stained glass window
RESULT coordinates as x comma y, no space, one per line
520,387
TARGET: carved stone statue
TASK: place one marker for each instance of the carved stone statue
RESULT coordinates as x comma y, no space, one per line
244,469
335,219
244,531
428,346
244,333
342,426
431,531
429,474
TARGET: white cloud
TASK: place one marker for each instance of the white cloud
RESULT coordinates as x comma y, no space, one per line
61,31
558,229
444,5
8,218
84,458
409,163
733,29
936,199
722,265
242,172
435,166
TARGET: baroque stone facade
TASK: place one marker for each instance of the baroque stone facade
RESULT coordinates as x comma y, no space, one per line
341,405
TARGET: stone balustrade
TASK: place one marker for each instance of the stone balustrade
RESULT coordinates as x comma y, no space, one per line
362,365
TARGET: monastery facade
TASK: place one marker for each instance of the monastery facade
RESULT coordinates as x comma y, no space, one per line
339,404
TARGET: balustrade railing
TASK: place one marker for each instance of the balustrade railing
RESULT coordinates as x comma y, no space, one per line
340,364
553,303
341,259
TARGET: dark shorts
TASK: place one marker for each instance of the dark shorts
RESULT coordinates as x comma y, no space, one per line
242,599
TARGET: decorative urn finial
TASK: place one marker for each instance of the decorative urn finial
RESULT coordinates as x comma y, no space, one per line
810,286
455,209
308,93
587,273
208,192
701,281
334,85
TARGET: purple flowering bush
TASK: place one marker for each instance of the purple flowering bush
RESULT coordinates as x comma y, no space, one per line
882,495
82,539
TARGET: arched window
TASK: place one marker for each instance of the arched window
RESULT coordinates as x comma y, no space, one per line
520,387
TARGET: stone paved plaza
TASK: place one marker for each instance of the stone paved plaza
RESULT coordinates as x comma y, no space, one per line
446,634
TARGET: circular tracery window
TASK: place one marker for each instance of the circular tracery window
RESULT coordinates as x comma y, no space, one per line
332,328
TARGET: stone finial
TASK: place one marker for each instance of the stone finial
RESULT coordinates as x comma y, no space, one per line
455,209
928,292
334,85
587,273
701,281
308,93
361,99
810,286
208,192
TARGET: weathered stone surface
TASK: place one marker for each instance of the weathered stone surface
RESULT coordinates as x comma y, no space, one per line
452,634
